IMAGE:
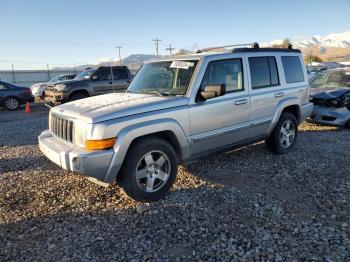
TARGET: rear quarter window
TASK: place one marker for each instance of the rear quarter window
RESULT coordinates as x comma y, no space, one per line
292,69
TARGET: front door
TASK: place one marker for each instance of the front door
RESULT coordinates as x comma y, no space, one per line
222,121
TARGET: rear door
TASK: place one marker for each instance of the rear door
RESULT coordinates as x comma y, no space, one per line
222,121
103,83
120,78
265,91
273,79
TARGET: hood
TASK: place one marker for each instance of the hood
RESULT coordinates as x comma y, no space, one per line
331,94
111,106
67,82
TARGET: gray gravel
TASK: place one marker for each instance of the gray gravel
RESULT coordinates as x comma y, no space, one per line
244,205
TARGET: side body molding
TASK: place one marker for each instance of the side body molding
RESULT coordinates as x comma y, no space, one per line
127,135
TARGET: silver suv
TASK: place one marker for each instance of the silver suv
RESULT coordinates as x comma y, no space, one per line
176,110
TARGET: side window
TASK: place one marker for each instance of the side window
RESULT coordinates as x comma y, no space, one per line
104,74
120,73
2,87
228,72
292,69
263,71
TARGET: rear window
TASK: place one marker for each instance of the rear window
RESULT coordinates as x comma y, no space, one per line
263,72
292,69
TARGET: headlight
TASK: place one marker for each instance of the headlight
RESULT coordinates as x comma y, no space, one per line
334,102
60,87
346,99
80,132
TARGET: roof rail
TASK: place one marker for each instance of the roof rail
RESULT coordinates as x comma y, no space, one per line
253,45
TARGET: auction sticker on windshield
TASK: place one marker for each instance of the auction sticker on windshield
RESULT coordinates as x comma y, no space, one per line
181,64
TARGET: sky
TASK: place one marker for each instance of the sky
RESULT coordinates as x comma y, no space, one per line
66,32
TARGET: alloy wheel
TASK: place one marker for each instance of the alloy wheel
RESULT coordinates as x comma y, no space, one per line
287,134
12,103
153,171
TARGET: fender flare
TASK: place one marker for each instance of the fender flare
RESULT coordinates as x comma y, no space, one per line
127,135
290,101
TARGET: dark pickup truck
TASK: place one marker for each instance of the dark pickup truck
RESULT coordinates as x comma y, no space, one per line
90,82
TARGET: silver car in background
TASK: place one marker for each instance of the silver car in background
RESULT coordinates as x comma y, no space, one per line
39,88
177,110
330,94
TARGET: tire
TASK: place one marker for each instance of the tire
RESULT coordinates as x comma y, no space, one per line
11,103
153,158
77,97
281,141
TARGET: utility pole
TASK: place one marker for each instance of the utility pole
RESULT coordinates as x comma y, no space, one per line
120,58
170,49
156,42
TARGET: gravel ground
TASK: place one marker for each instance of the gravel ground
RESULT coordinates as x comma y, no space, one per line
244,205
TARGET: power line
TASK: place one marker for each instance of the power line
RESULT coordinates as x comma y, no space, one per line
120,57
156,42
170,49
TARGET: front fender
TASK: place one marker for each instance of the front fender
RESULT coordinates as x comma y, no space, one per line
283,103
127,135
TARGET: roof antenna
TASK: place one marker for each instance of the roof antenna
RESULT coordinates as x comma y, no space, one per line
256,45
290,46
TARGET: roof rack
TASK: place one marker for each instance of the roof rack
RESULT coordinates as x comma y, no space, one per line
253,45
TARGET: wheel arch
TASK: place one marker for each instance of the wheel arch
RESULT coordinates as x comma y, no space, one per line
167,129
290,105
79,91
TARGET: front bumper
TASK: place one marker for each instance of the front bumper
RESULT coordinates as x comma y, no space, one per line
93,164
54,97
330,115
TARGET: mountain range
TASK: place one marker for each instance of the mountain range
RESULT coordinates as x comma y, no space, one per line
341,40
332,47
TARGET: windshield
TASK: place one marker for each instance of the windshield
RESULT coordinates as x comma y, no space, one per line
85,74
163,78
55,79
331,79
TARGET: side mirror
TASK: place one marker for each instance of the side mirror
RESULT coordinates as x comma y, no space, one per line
94,77
213,91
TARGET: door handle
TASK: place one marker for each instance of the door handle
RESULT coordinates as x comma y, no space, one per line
279,94
111,82
241,102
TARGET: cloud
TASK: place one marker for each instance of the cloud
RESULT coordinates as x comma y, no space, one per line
106,59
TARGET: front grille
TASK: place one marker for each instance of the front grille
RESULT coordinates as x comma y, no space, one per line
62,128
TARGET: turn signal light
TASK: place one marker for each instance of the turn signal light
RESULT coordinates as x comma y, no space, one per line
100,144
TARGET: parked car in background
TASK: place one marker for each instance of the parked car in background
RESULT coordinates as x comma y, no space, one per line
177,110
38,89
12,96
90,82
330,94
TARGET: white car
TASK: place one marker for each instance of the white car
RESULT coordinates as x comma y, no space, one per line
39,88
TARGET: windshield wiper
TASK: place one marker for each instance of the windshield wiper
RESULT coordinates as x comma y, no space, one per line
160,93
